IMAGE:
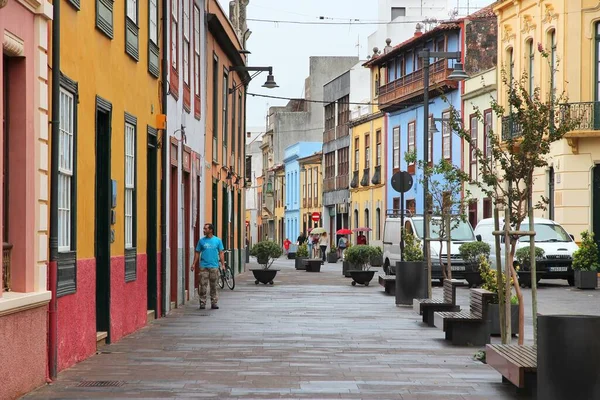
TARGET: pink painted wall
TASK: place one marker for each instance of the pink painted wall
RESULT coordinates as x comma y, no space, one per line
77,318
23,348
128,300
16,19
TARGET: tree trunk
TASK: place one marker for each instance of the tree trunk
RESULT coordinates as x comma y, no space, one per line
448,245
442,265
503,331
532,263
515,277
507,269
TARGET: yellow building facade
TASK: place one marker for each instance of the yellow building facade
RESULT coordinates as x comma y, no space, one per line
108,176
368,178
311,179
569,30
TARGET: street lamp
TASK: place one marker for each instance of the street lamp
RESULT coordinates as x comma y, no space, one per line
269,83
458,74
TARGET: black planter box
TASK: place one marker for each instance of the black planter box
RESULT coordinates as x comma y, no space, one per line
291,256
493,311
568,357
264,275
300,263
332,258
376,261
313,265
361,277
346,267
586,279
410,281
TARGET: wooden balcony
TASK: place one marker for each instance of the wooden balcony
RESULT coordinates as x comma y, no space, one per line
329,135
342,130
408,90
328,184
6,250
342,182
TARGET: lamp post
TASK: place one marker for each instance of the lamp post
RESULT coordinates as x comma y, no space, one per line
458,74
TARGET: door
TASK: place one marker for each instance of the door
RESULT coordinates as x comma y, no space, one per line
173,233
198,227
187,224
103,218
151,224
596,203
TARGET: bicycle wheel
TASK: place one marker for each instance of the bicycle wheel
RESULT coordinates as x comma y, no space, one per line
230,279
220,280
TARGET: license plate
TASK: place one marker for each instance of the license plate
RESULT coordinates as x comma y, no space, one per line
457,268
558,269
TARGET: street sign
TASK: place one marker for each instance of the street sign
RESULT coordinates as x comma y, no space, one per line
402,181
316,216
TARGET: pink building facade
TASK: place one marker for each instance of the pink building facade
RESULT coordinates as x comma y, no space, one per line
24,140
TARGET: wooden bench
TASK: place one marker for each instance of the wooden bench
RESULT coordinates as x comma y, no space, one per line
389,283
471,327
517,364
427,307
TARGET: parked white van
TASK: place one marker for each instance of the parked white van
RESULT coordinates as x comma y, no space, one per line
557,244
462,232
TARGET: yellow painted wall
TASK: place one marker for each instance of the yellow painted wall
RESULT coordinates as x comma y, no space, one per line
316,206
102,67
373,196
574,23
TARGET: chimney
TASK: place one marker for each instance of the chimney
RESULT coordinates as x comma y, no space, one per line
418,30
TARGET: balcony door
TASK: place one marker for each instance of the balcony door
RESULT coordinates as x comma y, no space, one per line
596,203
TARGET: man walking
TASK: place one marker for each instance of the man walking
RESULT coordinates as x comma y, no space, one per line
210,251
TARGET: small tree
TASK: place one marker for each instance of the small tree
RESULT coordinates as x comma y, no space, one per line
412,248
360,255
446,201
586,257
266,252
531,122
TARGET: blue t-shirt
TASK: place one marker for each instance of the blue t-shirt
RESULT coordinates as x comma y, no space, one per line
209,249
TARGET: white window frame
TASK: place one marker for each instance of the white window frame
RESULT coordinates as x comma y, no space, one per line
129,183
175,32
186,42
196,51
153,21
132,10
65,169
446,136
411,137
396,147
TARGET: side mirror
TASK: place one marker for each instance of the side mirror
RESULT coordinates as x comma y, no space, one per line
478,237
572,236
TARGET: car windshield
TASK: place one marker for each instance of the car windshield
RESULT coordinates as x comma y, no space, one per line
546,233
461,230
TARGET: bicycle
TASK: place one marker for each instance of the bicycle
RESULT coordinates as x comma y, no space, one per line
226,276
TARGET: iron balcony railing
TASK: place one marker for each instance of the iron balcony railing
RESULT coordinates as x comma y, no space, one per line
6,250
587,113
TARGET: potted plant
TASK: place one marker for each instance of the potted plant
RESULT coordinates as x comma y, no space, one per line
265,252
470,253
585,262
359,256
332,256
522,262
410,273
489,279
301,255
377,257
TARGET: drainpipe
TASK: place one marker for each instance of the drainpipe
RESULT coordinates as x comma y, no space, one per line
52,265
163,180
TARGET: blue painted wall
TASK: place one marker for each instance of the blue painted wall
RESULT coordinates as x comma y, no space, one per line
292,184
402,119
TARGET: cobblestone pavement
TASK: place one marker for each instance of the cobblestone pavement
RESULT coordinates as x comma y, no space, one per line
310,336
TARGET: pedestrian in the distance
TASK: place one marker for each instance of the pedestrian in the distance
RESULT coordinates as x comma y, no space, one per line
286,245
210,252
323,242
342,246
361,239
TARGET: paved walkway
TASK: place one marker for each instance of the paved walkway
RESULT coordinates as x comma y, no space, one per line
310,336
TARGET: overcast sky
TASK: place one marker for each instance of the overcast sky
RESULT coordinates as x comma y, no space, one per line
287,47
